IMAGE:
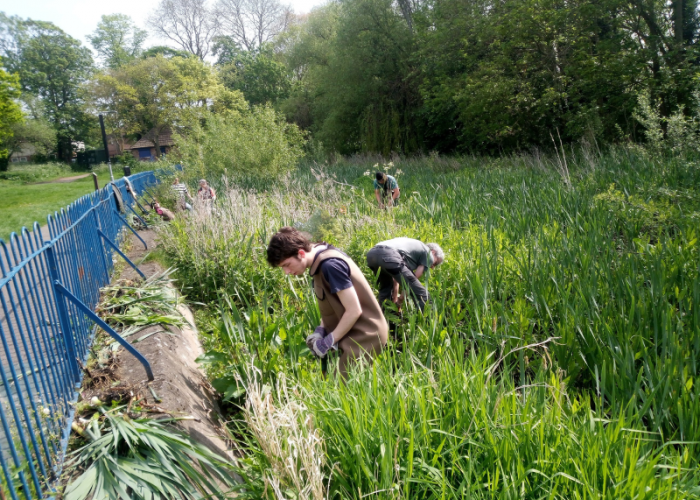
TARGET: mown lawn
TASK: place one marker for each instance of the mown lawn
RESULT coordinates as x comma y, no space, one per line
22,204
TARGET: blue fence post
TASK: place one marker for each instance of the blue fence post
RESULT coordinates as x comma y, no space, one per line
101,245
131,228
63,318
123,255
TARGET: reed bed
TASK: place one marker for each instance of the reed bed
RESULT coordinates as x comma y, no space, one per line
558,358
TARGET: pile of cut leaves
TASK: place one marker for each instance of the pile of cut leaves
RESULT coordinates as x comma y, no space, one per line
132,306
142,459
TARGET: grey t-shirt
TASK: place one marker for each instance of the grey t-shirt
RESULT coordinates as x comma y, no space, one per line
415,253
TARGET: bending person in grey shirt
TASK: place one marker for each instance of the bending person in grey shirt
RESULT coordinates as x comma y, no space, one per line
401,262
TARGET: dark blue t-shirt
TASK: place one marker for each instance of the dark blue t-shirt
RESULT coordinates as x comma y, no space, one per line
337,273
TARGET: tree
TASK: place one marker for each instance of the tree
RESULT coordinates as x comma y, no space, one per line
355,63
36,132
10,113
188,23
156,94
257,74
51,66
165,51
117,40
252,23
665,35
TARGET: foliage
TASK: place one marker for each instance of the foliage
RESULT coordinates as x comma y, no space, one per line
127,159
322,226
165,51
36,132
143,459
117,40
250,142
153,301
51,66
155,94
459,430
288,439
258,74
354,60
676,134
558,355
10,113
641,217
380,76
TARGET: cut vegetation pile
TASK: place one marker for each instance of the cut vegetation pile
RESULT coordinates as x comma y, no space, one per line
132,307
141,459
122,454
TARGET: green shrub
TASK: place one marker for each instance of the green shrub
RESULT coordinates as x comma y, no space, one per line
256,143
644,216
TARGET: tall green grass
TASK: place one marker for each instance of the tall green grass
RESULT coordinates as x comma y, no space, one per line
559,357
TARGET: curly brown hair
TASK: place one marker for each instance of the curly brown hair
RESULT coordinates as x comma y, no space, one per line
286,243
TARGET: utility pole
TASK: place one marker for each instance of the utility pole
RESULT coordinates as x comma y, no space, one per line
104,141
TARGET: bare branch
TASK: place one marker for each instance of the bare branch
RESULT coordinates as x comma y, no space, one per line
188,23
251,23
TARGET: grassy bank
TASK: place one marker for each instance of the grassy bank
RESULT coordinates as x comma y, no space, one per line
28,194
559,357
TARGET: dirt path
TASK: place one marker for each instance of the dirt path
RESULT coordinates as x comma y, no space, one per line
65,179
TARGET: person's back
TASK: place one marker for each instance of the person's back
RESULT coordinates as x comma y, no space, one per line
415,252
180,188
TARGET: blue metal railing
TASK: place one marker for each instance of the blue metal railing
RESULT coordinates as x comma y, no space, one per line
44,337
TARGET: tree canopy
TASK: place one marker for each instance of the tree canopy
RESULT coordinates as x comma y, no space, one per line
51,66
487,75
117,40
10,113
155,94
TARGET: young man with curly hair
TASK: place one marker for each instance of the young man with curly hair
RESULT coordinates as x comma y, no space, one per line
351,318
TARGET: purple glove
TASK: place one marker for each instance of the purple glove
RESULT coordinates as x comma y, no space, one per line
321,346
318,334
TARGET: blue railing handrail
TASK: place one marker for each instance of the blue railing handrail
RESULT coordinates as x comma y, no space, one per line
49,284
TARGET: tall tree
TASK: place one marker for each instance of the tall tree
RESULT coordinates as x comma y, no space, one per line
10,113
666,35
51,66
252,23
355,63
258,74
188,23
117,40
156,94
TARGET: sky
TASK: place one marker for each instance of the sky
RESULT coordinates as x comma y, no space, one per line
79,18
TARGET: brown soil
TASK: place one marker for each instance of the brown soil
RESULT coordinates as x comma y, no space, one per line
181,388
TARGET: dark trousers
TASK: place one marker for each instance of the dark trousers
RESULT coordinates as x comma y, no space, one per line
391,267
386,198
